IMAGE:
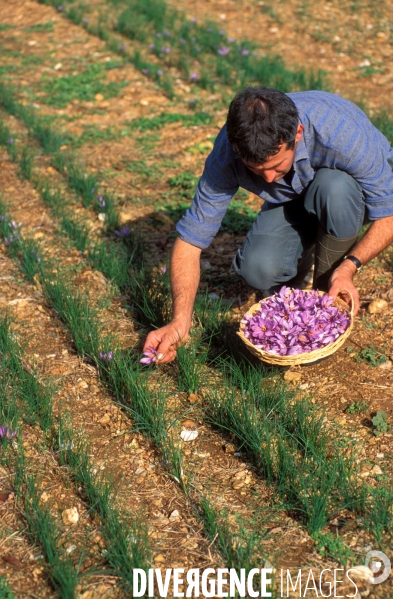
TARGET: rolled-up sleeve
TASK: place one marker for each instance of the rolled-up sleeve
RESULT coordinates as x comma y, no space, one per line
215,190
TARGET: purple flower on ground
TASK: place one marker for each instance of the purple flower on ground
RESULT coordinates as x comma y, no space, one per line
152,46
123,232
163,270
221,31
231,40
101,201
9,240
192,103
85,21
194,20
106,357
7,433
10,140
159,73
165,50
150,356
60,8
145,71
245,52
92,190
15,225
122,48
197,48
194,76
182,40
223,51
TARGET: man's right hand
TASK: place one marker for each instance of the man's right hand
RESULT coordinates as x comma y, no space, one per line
166,340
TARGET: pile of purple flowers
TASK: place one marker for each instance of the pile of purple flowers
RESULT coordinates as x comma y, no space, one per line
293,322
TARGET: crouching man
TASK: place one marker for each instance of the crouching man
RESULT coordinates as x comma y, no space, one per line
321,168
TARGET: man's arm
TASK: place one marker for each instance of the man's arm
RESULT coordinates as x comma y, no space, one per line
376,239
185,274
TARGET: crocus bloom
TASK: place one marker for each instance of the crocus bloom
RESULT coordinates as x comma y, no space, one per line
106,357
101,201
165,49
163,270
150,356
7,433
223,51
10,140
193,76
123,232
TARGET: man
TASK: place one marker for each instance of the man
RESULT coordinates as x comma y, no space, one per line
321,168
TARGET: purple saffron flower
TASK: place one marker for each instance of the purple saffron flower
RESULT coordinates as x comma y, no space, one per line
231,40
15,225
159,73
194,76
223,51
101,201
194,20
123,232
245,52
192,103
163,270
145,71
150,356
85,21
7,433
60,8
106,357
122,48
152,46
221,31
165,50
10,140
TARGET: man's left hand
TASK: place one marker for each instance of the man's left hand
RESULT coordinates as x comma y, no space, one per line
341,281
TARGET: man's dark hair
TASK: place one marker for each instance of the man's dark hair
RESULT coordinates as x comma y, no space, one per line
259,120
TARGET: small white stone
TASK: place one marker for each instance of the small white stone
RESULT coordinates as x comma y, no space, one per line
175,516
58,66
102,217
189,435
70,549
70,516
376,470
380,455
363,572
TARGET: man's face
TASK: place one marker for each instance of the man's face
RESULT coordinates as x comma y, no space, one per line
277,166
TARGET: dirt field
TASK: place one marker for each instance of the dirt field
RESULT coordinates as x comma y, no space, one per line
102,140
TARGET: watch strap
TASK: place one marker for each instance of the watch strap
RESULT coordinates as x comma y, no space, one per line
355,260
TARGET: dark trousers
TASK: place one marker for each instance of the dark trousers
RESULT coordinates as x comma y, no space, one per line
282,234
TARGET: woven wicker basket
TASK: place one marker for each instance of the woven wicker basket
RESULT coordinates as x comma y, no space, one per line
305,358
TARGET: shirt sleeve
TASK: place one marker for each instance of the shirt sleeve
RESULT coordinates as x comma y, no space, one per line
215,189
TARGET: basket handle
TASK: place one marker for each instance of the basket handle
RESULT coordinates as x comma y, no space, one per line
352,305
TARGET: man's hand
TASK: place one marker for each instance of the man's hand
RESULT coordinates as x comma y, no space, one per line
185,272
341,281
166,340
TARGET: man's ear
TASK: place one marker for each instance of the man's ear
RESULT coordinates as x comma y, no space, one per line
299,132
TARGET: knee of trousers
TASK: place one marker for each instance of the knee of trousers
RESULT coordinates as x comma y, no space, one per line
261,269
337,200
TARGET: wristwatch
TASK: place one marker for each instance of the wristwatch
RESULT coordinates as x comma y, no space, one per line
355,260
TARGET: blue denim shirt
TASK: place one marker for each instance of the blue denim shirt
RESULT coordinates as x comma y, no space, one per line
337,134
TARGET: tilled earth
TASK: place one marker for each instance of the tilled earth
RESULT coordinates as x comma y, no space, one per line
336,37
